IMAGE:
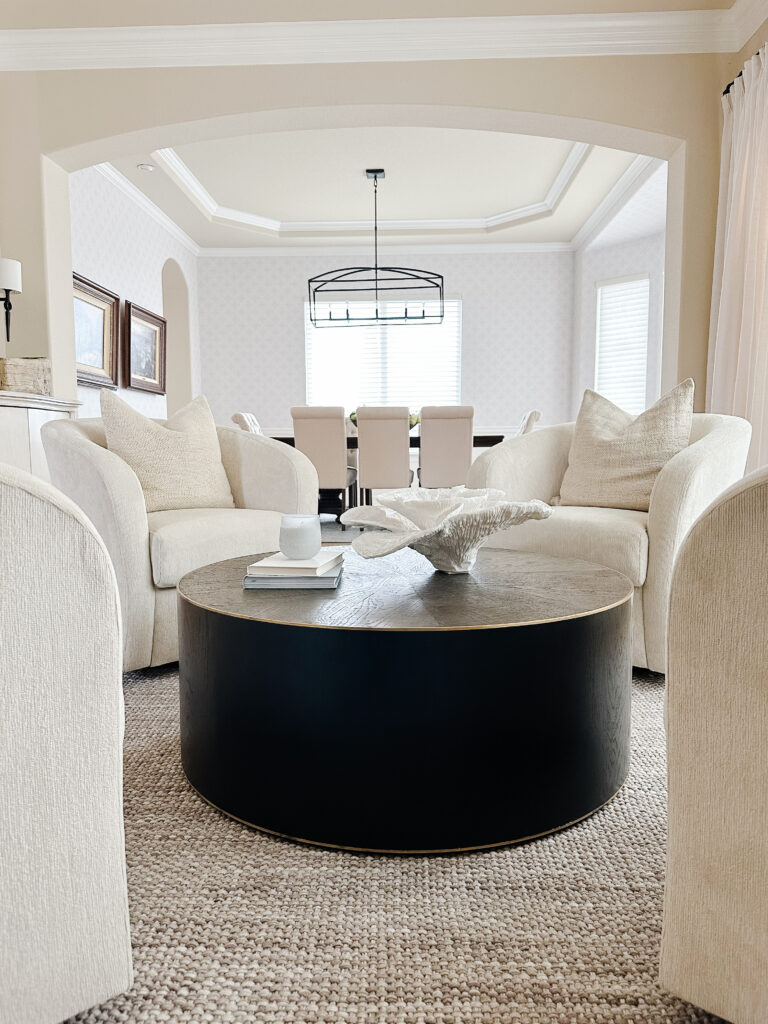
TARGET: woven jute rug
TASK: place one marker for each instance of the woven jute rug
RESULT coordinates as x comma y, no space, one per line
230,925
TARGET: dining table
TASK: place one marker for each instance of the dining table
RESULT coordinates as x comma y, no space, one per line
478,440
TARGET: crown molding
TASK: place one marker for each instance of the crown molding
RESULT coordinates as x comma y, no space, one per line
192,187
396,39
747,16
636,175
137,196
459,249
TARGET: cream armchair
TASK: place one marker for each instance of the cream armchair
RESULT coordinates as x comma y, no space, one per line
151,552
65,941
642,545
714,949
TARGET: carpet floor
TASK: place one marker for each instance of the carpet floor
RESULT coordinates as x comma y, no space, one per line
232,926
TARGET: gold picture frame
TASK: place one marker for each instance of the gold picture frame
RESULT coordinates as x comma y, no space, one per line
97,328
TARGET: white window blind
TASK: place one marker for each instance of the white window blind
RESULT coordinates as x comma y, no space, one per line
621,368
391,364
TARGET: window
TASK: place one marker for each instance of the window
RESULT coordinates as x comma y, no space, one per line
621,364
395,364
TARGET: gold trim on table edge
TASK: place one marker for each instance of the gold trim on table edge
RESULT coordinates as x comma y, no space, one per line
407,853
407,629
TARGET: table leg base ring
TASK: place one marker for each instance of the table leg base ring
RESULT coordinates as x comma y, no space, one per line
404,853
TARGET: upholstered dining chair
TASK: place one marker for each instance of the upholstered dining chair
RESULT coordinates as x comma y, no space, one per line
383,448
320,432
642,545
445,452
714,947
247,421
529,421
65,942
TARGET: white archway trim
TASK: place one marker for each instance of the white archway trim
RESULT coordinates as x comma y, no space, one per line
185,179
395,39
554,126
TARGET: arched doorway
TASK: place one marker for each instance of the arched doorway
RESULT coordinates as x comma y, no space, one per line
178,352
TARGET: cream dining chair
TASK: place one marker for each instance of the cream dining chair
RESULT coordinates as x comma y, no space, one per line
445,451
383,448
320,433
247,421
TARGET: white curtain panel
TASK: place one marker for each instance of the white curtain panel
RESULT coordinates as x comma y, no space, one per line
738,340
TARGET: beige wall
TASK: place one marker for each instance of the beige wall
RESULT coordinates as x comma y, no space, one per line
664,105
34,228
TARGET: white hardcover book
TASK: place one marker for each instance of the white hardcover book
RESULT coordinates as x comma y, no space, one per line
279,565
328,581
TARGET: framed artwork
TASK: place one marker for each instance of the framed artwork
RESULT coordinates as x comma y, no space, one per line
143,349
97,325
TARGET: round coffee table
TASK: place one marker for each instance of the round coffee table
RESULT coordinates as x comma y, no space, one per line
408,711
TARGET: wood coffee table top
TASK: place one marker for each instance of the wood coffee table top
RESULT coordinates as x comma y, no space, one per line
404,592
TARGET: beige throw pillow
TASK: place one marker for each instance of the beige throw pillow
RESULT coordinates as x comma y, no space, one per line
178,462
615,457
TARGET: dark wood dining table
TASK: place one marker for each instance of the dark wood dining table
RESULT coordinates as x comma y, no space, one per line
478,441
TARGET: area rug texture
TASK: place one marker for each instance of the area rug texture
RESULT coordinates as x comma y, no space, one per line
233,926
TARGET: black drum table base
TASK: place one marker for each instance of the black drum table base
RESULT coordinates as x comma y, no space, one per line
399,740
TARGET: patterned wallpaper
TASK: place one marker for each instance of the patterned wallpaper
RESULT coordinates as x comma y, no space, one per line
528,334
602,263
118,245
516,345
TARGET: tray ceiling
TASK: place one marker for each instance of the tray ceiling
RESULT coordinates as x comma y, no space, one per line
441,185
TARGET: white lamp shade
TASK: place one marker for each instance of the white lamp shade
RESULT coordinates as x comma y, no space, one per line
10,275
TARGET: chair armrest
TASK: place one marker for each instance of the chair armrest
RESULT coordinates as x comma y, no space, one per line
62,850
529,466
267,474
108,491
686,485
717,760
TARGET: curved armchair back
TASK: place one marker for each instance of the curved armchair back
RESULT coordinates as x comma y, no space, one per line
533,465
715,939
263,474
64,931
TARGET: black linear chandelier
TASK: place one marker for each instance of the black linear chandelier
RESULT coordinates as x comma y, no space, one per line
353,296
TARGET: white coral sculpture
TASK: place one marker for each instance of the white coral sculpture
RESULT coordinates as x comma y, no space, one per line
447,525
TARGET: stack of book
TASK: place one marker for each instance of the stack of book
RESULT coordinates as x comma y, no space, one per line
276,572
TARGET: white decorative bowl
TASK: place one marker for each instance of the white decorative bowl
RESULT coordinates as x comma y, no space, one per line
447,525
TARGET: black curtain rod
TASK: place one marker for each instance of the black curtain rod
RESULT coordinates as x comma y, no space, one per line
730,85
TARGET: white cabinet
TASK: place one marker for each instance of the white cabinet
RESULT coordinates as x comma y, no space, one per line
21,417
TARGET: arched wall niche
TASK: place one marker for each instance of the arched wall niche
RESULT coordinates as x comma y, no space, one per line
178,350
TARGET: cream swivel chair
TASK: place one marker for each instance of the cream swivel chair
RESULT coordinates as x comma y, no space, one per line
642,545
65,942
320,432
445,451
383,449
714,949
247,421
152,551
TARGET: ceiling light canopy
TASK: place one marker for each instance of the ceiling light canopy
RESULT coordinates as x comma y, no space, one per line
352,296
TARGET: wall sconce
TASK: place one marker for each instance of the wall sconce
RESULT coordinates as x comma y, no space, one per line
10,281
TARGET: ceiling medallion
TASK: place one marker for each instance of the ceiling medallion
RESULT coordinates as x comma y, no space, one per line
353,296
